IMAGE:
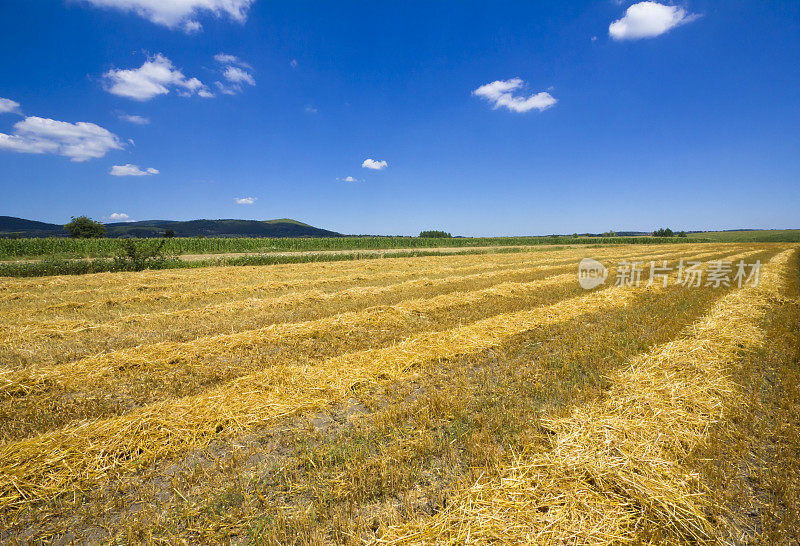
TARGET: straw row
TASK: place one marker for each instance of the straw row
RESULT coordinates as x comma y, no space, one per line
615,472
23,334
292,299
177,277
158,357
66,328
180,294
162,279
249,276
220,284
151,359
51,464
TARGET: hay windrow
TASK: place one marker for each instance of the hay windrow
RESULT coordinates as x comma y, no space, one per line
51,464
614,474
253,278
64,328
151,358
221,285
163,279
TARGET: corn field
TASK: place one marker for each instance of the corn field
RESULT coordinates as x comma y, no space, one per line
104,248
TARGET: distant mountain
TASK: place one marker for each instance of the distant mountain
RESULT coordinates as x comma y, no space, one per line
284,227
11,226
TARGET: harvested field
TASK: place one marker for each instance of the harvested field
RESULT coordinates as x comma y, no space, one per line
439,399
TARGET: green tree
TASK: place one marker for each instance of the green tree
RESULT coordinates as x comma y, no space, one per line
84,227
663,232
169,234
435,234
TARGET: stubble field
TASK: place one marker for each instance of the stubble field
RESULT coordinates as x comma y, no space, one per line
441,399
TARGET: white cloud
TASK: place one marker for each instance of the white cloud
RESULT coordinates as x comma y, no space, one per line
349,179
245,200
155,77
228,89
224,58
119,216
133,118
501,93
79,141
238,76
648,20
310,109
236,73
293,63
179,13
8,106
131,170
190,27
374,165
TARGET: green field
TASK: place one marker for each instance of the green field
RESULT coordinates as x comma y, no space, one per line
753,236
61,248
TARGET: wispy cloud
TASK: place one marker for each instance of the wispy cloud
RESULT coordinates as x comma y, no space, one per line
78,141
133,118
8,106
236,73
245,200
349,179
374,165
501,94
237,76
648,20
131,170
224,58
180,14
155,77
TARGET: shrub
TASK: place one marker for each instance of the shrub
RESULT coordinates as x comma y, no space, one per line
138,256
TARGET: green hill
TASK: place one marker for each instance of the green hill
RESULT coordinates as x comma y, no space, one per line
284,227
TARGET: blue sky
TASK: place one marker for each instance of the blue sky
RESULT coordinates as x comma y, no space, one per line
492,118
